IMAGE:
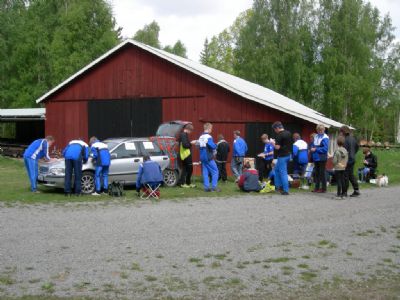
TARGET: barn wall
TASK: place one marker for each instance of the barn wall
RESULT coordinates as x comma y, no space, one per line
134,73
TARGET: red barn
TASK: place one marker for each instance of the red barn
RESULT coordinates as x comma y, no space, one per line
133,88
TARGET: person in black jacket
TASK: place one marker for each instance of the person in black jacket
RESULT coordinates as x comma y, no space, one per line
370,164
222,157
351,146
185,180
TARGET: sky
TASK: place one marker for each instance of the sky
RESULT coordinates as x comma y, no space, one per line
192,21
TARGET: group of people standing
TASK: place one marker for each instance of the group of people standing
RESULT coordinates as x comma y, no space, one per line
76,154
273,162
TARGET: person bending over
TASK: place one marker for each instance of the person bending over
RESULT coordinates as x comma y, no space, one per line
248,181
102,160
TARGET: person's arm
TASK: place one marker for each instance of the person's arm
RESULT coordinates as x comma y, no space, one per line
324,147
211,144
139,178
374,161
295,150
277,145
94,152
185,141
85,154
46,150
241,180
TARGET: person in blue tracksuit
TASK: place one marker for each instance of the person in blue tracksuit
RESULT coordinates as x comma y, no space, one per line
239,152
299,154
319,153
102,160
207,152
149,173
35,151
264,161
75,154
283,147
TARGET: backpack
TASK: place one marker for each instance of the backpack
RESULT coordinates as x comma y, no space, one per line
116,189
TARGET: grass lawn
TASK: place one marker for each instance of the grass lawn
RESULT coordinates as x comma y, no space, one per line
15,184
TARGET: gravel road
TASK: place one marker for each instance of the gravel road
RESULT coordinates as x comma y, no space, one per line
208,248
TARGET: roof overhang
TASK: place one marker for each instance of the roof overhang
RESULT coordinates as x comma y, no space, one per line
22,114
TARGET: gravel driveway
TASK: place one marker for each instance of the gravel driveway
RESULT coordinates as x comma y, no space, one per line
198,248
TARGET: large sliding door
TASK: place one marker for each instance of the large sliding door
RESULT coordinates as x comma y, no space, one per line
124,117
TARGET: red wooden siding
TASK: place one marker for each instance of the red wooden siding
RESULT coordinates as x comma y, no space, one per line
133,73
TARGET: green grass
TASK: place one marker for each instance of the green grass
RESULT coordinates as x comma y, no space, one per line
15,184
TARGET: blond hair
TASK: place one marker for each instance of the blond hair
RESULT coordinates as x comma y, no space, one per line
321,127
207,126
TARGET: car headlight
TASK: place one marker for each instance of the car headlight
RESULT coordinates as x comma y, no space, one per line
57,171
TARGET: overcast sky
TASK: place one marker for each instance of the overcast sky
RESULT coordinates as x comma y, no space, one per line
192,21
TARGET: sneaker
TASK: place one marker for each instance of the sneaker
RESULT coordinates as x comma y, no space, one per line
96,194
104,192
315,190
217,190
338,197
284,193
207,190
355,194
36,192
192,186
185,186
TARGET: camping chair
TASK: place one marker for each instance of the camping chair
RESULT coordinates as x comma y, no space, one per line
150,190
307,179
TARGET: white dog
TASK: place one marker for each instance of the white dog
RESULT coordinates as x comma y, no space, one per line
382,180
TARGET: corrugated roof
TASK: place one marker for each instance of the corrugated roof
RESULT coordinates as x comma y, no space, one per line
22,113
241,87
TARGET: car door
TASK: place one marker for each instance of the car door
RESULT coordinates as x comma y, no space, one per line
151,148
125,161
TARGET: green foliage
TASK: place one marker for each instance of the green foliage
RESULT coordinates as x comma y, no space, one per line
44,42
337,56
150,34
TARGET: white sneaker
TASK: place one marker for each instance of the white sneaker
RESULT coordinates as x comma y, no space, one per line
96,194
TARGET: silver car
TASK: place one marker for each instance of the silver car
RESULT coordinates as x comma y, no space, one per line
126,157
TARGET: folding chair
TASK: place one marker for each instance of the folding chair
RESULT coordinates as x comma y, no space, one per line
150,190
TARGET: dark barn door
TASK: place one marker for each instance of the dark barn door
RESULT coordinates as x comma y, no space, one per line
124,118
255,130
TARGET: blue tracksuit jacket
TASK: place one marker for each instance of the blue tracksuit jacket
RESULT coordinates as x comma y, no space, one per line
239,147
149,172
37,150
101,154
321,142
300,152
268,148
207,147
76,150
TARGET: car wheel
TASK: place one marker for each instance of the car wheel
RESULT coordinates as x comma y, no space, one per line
170,177
87,182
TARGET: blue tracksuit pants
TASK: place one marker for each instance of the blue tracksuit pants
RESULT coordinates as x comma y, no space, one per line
281,174
209,168
73,167
101,172
31,166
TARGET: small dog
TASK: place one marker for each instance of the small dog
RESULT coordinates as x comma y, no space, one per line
382,180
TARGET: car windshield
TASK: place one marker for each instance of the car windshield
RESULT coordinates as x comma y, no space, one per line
169,130
111,144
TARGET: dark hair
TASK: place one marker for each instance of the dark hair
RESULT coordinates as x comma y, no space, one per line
92,140
277,125
296,136
340,141
264,136
345,130
146,157
188,127
366,150
220,137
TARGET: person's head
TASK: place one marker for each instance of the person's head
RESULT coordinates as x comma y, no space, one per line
345,130
236,134
93,140
247,165
320,129
296,136
50,140
220,137
208,127
146,157
340,141
265,138
366,151
188,128
277,126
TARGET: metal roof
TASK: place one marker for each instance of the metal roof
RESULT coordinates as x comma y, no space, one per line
241,87
22,114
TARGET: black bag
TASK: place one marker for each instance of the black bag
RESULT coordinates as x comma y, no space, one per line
116,189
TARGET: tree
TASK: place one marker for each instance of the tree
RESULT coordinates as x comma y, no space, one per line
178,49
47,41
149,35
